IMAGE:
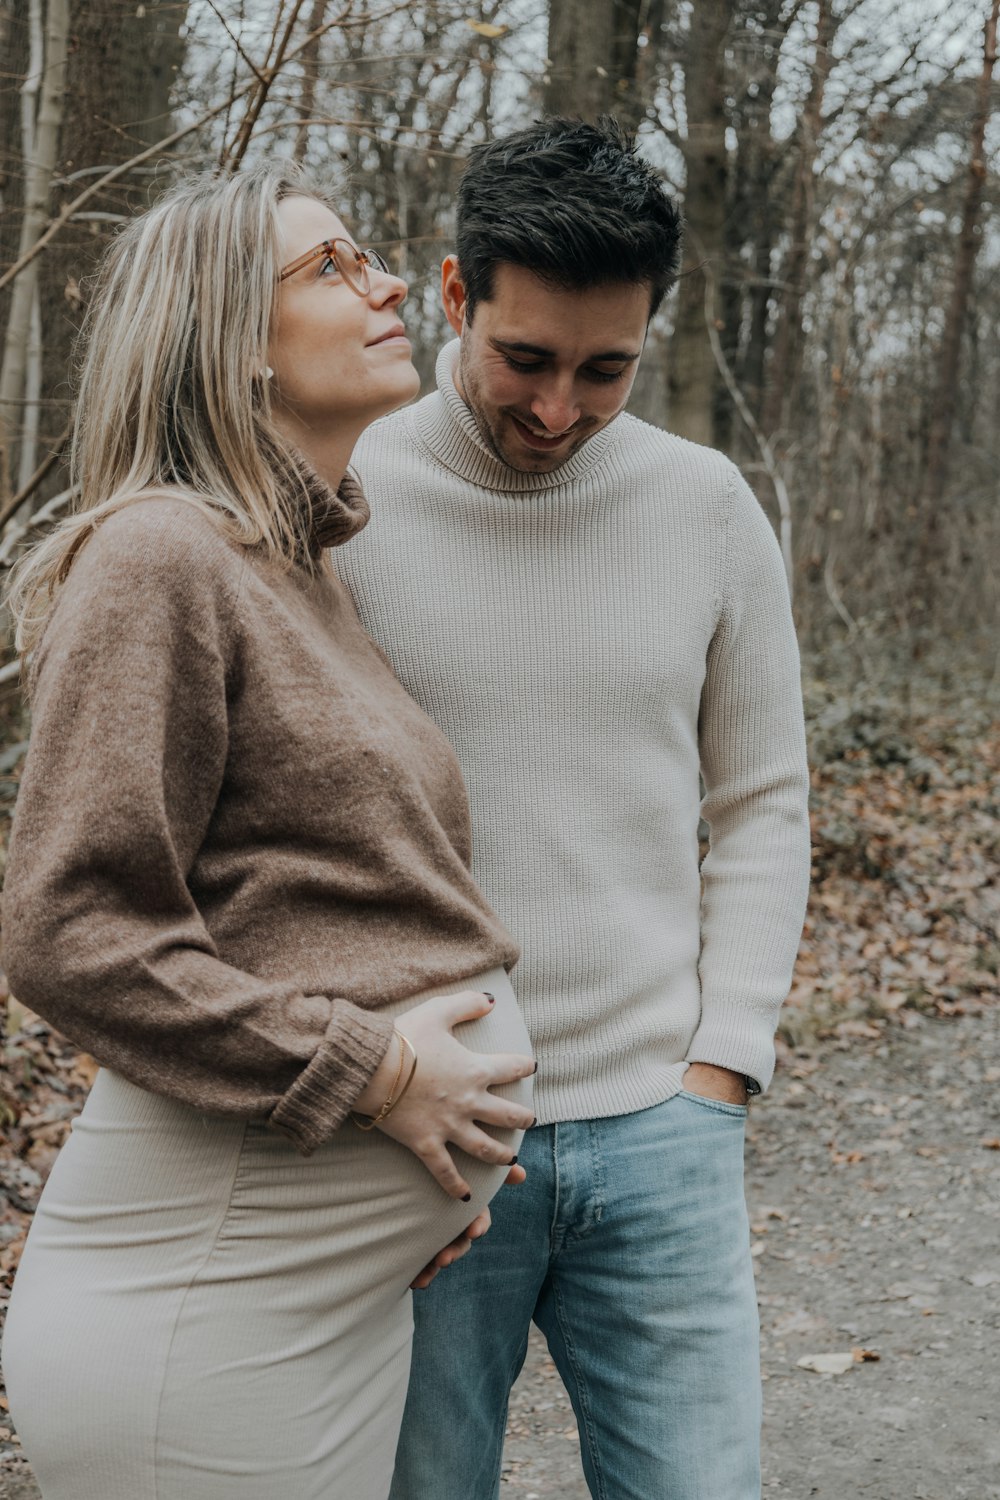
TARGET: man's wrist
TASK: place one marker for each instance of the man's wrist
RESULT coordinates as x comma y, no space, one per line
717,1082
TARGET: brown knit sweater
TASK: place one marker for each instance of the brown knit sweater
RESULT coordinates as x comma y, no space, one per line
236,836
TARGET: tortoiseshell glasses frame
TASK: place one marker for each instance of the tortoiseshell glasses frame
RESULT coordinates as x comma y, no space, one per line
352,263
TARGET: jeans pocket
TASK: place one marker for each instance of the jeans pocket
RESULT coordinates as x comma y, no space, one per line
717,1106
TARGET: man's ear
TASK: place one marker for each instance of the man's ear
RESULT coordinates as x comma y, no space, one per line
453,293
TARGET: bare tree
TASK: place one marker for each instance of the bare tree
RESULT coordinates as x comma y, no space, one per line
595,58
969,240
692,372
42,123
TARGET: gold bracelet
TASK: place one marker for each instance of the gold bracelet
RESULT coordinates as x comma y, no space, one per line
369,1122
409,1077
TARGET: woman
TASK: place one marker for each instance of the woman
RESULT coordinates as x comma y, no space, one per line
240,858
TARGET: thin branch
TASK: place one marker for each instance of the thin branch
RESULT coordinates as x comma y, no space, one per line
47,513
44,468
771,466
66,213
68,210
853,628
236,41
233,155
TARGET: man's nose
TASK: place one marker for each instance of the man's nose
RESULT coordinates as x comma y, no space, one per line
556,408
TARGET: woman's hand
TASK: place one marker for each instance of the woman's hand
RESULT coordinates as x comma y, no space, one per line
462,1243
449,1099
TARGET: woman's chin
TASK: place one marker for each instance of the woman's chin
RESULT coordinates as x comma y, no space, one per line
399,391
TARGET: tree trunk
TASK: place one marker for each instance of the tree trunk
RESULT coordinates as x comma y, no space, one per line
594,59
692,375
50,34
786,355
943,409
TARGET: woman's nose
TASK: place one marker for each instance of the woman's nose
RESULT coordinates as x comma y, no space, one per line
386,289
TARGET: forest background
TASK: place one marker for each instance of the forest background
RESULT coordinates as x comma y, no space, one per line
834,330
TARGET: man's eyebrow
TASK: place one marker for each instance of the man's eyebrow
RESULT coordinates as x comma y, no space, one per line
606,356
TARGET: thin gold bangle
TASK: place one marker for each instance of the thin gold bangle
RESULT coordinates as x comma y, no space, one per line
413,1068
369,1123
365,1122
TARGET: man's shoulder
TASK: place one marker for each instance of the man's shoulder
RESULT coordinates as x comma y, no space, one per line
644,442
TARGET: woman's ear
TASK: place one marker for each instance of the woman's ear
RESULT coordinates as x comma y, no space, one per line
453,293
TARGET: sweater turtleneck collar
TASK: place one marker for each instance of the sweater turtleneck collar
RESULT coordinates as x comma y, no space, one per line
334,515
449,429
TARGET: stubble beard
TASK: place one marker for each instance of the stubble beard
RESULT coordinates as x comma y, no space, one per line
531,463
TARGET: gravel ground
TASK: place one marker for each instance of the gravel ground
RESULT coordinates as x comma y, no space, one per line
873,1176
875,1207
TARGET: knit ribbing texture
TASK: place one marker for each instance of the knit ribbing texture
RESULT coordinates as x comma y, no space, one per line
590,640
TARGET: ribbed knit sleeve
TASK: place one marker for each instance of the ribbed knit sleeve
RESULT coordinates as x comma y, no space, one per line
129,747
752,742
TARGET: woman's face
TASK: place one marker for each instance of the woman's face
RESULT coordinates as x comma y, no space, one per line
337,357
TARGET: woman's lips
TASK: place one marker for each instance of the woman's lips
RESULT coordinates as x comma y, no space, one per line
395,335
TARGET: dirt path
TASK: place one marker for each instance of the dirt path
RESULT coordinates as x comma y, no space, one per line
876,1214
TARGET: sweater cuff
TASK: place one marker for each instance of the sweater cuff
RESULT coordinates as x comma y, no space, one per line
319,1100
735,1039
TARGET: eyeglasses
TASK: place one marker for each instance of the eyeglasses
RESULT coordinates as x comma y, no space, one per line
352,263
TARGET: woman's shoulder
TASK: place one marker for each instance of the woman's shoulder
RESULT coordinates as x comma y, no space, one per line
170,522
156,572
161,539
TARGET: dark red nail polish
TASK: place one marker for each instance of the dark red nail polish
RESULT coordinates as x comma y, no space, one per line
534,1122
490,998
535,1068
466,1197
513,1161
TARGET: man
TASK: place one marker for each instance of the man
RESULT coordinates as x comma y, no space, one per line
595,611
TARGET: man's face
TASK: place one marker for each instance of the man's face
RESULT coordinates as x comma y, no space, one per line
542,368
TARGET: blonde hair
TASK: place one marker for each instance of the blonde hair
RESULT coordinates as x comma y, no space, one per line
173,389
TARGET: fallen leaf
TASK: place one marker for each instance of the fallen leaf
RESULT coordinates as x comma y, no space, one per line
865,1356
827,1364
991,1144
483,28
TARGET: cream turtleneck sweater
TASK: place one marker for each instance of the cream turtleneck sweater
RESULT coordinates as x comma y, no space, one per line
589,640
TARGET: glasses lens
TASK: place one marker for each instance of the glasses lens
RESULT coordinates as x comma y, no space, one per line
375,260
351,266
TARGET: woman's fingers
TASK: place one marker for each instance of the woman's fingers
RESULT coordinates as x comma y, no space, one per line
481,1223
475,1142
441,1166
467,1005
506,1067
450,1101
492,1110
459,1246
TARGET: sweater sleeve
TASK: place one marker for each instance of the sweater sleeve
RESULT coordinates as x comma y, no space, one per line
752,745
127,761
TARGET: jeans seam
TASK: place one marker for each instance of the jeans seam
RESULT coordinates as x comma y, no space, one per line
588,1430
501,1429
554,1225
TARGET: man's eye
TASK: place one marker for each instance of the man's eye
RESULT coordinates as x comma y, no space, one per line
606,375
524,367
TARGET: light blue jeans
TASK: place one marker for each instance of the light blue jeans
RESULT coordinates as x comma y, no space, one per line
629,1247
